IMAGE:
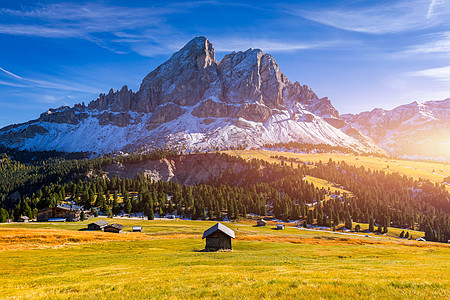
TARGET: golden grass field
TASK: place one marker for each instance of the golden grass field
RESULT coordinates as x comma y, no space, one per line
435,172
58,261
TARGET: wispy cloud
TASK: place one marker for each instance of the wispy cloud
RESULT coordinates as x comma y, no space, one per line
380,18
441,74
10,73
267,45
436,44
20,81
107,26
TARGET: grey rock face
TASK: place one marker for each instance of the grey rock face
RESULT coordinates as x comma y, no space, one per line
166,113
183,79
254,112
115,101
210,108
62,115
29,132
120,119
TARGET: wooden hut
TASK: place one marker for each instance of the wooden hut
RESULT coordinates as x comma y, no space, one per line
261,222
70,213
99,225
137,228
24,219
116,228
218,237
280,226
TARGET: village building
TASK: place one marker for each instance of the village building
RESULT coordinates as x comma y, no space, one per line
116,228
261,222
99,225
218,237
60,213
280,226
137,228
24,219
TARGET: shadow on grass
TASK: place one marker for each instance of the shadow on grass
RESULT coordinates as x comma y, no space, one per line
211,250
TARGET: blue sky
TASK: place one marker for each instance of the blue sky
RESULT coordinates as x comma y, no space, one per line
360,54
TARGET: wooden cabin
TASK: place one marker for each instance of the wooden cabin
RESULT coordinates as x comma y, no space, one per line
218,237
137,228
116,228
70,213
261,222
24,219
280,226
99,225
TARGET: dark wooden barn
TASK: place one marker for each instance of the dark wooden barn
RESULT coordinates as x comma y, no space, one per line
261,222
116,228
218,237
99,225
70,213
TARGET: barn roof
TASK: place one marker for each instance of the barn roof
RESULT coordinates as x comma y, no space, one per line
24,218
100,223
117,226
221,227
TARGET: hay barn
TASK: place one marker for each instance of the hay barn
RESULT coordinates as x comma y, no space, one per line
116,228
218,237
99,225
70,213
261,222
280,226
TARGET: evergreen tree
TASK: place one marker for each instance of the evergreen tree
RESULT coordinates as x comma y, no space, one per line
371,224
82,216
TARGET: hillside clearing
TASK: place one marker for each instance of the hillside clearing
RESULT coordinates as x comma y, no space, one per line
435,172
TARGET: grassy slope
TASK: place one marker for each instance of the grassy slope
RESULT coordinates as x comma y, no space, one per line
164,262
435,172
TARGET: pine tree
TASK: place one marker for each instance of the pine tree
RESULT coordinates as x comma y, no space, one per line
82,216
371,224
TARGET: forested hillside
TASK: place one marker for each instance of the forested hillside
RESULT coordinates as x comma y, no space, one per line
258,187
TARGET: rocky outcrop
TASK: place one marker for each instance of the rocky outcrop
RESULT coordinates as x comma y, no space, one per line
213,109
26,133
183,79
118,119
166,113
62,115
254,112
118,101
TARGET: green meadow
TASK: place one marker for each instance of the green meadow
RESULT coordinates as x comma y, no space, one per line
56,261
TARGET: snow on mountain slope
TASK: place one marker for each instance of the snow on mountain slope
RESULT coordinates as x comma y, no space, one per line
194,101
413,130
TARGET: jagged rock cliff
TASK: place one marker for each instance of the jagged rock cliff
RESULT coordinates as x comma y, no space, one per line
195,101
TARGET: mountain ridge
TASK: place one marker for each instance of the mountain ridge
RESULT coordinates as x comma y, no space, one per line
194,101
414,130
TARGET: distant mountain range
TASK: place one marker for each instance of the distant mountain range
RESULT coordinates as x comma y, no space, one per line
415,130
196,102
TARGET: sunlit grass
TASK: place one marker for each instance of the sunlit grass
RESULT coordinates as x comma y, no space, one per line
165,262
435,172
